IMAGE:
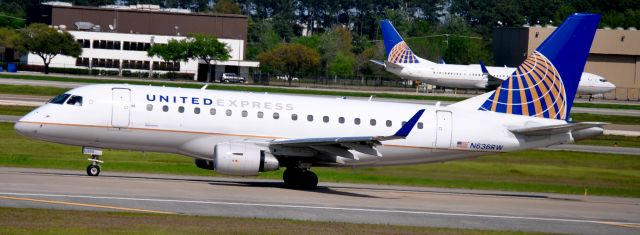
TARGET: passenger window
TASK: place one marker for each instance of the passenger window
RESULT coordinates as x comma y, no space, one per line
372,122
75,100
341,120
181,109
356,121
260,114
310,118
245,113
149,107
59,99
325,119
420,125
294,116
196,110
228,112
212,111
389,123
276,115
165,108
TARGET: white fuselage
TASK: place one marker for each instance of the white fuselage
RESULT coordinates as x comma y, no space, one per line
470,76
132,117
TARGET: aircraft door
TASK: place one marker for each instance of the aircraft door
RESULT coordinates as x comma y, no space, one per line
120,108
443,129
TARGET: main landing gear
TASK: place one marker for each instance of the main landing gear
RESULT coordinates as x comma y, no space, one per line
94,168
301,178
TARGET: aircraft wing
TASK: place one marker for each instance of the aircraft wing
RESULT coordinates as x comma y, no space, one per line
556,129
493,80
340,146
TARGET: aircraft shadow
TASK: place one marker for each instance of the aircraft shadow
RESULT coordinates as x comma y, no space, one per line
265,184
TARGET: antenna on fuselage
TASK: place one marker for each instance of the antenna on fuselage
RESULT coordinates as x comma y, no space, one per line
204,87
370,97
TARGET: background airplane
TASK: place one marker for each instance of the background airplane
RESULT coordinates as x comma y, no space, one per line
403,62
243,134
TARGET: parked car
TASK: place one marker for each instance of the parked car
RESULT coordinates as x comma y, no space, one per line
232,77
286,78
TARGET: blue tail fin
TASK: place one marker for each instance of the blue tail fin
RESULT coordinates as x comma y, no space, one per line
545,84
398,52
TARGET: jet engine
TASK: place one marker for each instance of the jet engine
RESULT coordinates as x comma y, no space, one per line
242,159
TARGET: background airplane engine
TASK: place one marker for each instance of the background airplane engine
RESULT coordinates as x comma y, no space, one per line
242,159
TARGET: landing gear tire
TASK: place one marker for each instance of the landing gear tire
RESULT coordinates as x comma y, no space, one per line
300,179
93,170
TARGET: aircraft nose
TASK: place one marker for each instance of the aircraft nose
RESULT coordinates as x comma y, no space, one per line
24,127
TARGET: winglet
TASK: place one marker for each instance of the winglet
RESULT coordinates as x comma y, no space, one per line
407,127
442,61
483,68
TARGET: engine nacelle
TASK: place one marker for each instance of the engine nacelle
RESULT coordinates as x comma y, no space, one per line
243,159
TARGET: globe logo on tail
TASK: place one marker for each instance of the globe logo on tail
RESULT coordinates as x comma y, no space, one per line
402,54
534,89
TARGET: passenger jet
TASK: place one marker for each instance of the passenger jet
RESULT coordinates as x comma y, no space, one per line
403,62
244,133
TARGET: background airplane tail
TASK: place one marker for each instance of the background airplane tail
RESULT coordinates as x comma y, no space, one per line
398,52
545,84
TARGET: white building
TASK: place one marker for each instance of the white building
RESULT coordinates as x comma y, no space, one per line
117,39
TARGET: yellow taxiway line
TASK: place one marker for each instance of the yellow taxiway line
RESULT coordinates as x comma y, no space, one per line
87,205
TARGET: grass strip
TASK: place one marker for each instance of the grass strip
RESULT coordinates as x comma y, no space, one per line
49,221
15,110
614,119
613,141
31,90
530,171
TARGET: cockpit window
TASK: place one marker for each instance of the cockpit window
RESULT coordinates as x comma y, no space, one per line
75,100
59,99
603,80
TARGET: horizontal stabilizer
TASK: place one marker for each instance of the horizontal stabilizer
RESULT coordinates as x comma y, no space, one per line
393,66
377,62
556,129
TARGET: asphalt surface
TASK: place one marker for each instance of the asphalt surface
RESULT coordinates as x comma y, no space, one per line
619,112
253,198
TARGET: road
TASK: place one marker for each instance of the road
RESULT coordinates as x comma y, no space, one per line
253,198
6,100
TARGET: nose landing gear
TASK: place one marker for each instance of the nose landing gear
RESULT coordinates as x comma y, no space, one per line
94,168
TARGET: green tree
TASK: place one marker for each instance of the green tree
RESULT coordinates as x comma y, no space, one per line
8,37
290,59
261,37
207,48
173,51
226,7
47,43
342,65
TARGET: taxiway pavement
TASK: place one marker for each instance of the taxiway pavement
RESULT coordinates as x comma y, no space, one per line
353,203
